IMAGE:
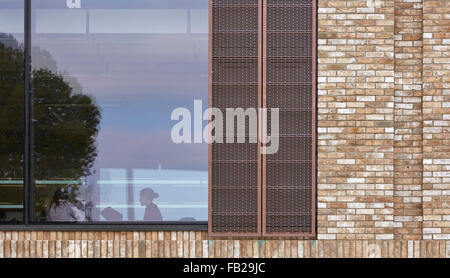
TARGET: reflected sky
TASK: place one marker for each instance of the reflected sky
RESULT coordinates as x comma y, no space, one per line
137,78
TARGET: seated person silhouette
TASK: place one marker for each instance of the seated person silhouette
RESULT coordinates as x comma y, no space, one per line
63,209
152,212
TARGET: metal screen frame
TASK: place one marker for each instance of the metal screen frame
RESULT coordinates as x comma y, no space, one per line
211,233
262,103
265,233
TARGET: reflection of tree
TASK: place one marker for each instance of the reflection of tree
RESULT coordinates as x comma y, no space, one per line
11,123
65,126
11,112
65,123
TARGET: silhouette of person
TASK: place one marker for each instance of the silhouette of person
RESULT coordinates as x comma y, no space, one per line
152,212
62,209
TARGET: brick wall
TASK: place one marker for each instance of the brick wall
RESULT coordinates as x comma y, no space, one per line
383,118
383,148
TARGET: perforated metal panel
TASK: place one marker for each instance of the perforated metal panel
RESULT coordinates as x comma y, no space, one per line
289,73
235,81
230,95
262,54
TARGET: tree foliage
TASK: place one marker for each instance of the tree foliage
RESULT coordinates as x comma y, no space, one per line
65,121
11,112
65,128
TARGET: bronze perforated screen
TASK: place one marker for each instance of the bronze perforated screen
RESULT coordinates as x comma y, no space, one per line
289,58
262,55
235,81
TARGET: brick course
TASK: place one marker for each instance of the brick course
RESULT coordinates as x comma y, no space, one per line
436,119
383,149
186,244
356,120
408,152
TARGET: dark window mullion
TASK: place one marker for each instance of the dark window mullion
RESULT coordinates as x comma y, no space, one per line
27,208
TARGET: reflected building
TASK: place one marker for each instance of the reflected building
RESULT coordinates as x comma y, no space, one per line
181,192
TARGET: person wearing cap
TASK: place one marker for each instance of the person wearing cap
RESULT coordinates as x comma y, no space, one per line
152,212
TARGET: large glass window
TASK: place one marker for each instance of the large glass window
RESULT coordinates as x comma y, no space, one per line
11,110
106,77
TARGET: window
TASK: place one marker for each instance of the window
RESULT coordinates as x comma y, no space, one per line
106,78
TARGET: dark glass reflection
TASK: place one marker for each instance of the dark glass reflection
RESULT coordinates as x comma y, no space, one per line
107,76
11,111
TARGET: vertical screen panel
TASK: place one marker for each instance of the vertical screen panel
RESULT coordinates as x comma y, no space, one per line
235,82
289,57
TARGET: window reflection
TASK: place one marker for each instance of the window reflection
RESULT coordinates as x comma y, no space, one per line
11,111
106,79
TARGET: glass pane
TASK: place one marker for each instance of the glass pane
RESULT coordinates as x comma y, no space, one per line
11,111
107,77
